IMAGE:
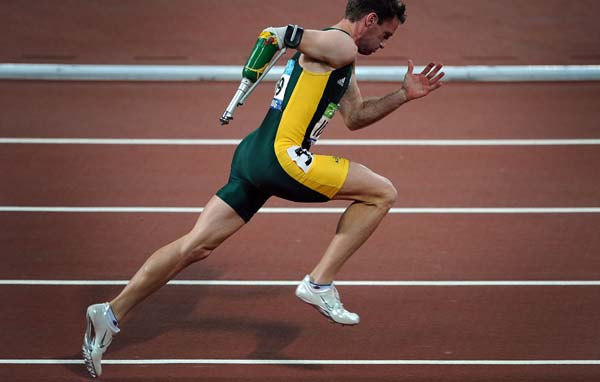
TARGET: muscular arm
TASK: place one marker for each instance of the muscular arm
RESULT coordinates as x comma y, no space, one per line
359,112
332,48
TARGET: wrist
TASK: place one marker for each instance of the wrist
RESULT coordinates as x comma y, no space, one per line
403,94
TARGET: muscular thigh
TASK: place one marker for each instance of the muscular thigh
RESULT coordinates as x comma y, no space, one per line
363,184
323,174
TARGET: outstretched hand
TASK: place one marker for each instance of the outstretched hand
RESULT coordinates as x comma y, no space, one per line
419,85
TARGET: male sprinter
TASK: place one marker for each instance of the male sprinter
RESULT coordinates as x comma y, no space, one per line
276,160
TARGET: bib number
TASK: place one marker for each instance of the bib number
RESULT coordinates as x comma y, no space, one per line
320,126
281,86
302,157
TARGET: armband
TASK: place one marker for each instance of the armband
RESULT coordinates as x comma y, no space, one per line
293,36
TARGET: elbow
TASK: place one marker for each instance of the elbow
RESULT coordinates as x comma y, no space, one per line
352,124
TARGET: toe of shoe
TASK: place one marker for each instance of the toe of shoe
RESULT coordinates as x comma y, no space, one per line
348,319
97,362
88,361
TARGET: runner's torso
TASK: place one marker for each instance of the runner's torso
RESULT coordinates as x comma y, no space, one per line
275,158
304,103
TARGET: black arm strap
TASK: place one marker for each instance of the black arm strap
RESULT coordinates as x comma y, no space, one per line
293,36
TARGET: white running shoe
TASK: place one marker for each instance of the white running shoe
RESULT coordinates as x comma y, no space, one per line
96,343
327,302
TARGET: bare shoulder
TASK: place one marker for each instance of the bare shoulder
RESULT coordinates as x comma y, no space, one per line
344,42
331,47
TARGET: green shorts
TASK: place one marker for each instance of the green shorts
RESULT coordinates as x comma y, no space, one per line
257,174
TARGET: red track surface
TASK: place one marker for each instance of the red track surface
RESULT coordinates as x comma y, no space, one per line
266,322
463,32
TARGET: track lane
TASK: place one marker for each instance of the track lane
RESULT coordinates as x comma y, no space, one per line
191,110
284,247
238,373
566,108
240,322
473,32
185,176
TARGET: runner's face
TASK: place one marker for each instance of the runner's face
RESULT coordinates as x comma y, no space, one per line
376,35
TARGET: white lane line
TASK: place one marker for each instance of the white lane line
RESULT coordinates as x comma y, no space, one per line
407,283
307,210
365,362
323,142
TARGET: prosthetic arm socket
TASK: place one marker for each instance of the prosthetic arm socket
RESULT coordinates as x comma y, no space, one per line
293,36
267,45
265,48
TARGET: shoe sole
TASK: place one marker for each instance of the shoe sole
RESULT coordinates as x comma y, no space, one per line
86,349
87,359
324,312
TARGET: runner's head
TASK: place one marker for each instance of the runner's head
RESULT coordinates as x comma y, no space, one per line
376,21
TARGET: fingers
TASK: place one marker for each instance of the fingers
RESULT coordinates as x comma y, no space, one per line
429,78
436,85
437,78
427,68
433,74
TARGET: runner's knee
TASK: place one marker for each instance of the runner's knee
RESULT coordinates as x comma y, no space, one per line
195,250
387,194
381,193
198,253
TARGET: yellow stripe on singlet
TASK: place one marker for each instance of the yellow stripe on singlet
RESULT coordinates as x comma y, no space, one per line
300,109
327,174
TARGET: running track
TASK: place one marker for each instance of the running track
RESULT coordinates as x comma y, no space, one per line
419,331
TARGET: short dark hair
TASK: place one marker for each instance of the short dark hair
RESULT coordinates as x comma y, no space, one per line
385,10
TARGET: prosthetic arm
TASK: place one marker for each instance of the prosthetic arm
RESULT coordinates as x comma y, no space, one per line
262,58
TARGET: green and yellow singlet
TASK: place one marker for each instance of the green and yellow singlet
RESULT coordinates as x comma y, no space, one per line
275,159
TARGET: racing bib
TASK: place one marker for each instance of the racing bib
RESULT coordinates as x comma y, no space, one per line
282,85
302,157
